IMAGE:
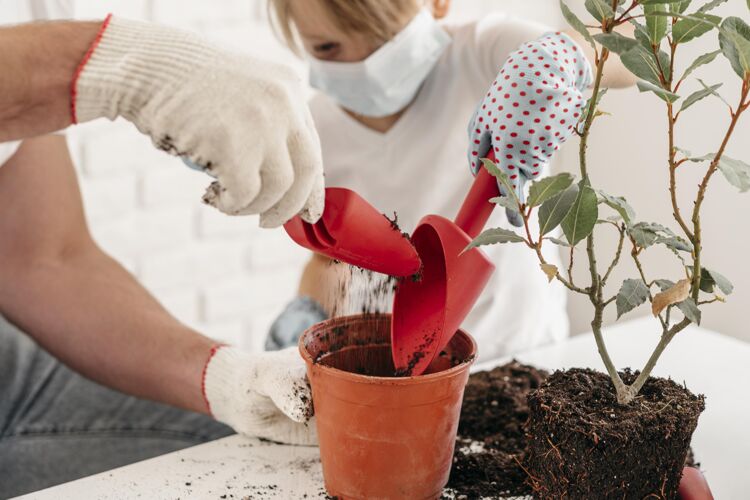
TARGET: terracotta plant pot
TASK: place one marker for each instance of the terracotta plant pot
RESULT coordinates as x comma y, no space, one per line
583,444
382,436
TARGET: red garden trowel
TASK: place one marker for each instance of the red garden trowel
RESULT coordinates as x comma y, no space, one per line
426,313
353,231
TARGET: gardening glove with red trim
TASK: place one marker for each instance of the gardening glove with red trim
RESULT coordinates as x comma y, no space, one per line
242,120
530,110
265,395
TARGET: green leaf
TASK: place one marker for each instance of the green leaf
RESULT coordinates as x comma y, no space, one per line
711,279
664,284
553,211
583,215
711,5
633,293
599,9
700,61
690,310
734,39
698,95
706,87
680,7
641,35
675,243
736,172
620,205
691,28
616,42
719,280
576,23
558,241
503,178
656,26
663,94
493,236
643,234
544,189
642,64
505,202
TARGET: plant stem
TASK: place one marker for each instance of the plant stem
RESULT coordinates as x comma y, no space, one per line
537,247
595,290
596,325
696,219
616,260
639,266
666,338
671,120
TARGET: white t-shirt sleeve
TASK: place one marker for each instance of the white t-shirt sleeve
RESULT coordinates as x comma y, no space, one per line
497,35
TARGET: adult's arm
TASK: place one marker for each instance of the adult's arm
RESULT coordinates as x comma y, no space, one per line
78,303
243,120
38,62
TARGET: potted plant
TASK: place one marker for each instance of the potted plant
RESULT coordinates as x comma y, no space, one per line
626,434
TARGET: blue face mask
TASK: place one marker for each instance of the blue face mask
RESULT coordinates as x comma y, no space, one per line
387,81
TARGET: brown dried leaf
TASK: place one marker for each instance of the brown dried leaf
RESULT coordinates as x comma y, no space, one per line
550,270
673,295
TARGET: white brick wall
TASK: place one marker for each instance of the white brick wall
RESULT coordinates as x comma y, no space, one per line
221,275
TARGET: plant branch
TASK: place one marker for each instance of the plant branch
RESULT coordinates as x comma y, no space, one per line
616,259
537,247
634,253
665,339
696,219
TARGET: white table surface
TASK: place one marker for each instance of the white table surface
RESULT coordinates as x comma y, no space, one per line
709,363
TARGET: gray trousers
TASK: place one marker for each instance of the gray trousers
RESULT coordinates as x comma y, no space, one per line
56,426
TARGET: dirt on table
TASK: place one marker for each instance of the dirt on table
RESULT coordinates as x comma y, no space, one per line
584,444
491,441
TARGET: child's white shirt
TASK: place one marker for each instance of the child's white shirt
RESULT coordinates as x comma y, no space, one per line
419,167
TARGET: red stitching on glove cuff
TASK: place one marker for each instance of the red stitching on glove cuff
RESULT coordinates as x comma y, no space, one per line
214,348
79,69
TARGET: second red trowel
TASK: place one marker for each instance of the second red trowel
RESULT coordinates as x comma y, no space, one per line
353,231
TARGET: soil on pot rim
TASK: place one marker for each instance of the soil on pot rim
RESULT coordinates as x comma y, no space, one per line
583,444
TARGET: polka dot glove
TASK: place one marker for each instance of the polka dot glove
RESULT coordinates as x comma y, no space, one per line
531,109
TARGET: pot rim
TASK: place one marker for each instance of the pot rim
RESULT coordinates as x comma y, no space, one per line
371,379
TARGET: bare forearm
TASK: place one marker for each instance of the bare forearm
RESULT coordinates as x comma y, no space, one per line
91,314
38,62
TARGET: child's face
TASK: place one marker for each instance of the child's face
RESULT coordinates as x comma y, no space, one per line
323,40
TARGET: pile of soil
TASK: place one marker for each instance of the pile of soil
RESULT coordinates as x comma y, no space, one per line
490,456
491,441
584,444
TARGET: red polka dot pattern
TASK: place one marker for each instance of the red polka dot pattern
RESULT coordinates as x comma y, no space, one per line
537,100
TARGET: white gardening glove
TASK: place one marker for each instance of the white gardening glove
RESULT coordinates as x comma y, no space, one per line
264,395
243,120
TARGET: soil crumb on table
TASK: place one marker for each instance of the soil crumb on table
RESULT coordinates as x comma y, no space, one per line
491,441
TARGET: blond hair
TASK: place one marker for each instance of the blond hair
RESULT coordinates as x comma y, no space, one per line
378,20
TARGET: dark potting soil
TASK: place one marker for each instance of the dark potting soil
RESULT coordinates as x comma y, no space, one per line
583,444
491,440
491,443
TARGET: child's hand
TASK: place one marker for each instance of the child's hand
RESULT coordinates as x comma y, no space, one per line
531,108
